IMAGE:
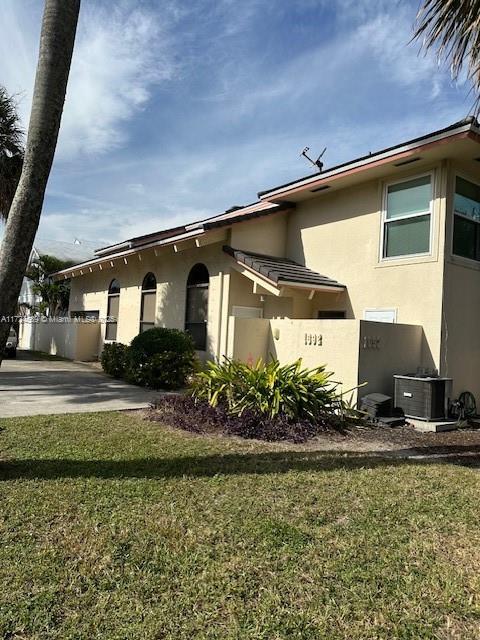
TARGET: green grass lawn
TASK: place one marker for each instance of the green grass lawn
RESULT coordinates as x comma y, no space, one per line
116,528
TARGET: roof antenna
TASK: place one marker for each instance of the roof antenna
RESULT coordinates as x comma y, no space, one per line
318,162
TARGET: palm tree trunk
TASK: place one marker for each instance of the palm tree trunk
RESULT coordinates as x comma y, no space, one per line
57,38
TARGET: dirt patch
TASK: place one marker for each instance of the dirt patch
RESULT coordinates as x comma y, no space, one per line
461,446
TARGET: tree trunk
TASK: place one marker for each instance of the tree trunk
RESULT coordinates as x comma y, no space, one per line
57,38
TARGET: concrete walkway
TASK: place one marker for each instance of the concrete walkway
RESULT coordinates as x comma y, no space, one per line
30,385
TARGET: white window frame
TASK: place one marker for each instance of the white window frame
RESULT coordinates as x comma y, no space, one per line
391,310
236,308
385,220
461,215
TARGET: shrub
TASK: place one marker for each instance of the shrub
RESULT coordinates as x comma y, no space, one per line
167,370
114,359
160,340
269,390
197,416
161,359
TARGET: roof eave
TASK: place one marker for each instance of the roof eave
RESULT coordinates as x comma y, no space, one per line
125,254
469,130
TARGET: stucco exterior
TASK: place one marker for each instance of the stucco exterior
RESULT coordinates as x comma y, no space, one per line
337,232
460,357
362,356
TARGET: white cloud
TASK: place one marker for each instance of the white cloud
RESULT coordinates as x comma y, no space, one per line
122,51
137,188
120,54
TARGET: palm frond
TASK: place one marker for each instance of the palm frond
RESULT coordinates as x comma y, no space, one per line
11,151
452,27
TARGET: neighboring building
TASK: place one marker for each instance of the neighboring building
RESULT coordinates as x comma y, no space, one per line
76,251
372,267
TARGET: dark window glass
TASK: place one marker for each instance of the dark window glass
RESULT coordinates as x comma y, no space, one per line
407,223
148,304
196,313
467,199
407,237
464,238
149,282
112,310
466,220
331,315
114,287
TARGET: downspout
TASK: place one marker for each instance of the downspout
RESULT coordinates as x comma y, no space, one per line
445,234
220,316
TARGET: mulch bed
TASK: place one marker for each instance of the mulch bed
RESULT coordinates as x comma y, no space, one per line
397,441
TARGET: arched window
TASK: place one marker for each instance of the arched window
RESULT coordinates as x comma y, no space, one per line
149,298
112,310
197,305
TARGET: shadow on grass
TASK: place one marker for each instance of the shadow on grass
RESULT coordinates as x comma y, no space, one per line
234,464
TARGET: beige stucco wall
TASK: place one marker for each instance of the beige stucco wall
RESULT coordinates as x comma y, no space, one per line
267,235
331,343
338,234
357,352
76,341
461,307
385,350
248,339
89,292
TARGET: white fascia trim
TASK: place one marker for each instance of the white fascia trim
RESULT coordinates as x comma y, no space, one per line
108,250
122,254
376,156
310,287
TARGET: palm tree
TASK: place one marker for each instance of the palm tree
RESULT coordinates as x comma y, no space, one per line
11,151
453,27
57,38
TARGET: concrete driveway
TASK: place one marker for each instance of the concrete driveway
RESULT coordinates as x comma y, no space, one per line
30,385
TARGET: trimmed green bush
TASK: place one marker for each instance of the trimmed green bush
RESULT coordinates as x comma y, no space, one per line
161,359
167,370
115,359
160,340
267,389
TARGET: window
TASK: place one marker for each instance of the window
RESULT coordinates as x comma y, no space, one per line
407,218
197,305
380,315
466,220
149,298
112,310
247,312
327,314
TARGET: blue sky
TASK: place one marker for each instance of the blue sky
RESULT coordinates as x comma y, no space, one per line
179,110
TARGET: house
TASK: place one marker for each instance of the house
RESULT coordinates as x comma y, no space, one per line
371,267
76,251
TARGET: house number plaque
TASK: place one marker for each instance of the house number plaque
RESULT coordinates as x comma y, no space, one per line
313,339
371,342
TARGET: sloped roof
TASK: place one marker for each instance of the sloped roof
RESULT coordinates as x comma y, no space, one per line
232,216
282,271
469,123
78,251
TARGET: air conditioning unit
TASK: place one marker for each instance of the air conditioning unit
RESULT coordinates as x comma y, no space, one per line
422,397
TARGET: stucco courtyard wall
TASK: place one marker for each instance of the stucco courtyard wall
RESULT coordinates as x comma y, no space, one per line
385,350
356,351
332,343
75,341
